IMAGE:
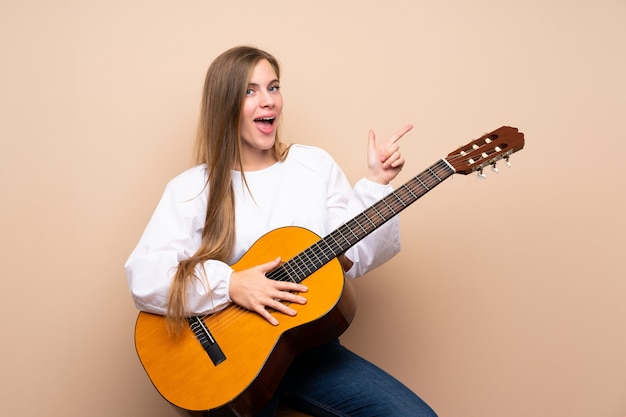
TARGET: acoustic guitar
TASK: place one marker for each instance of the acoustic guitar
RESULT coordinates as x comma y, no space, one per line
231,362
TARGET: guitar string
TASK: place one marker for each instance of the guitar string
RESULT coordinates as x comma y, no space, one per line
389,209
300,260
285,275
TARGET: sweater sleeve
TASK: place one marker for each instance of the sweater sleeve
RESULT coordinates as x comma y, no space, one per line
383,243
344,203
172,235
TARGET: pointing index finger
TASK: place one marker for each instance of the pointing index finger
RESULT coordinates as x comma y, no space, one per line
396,137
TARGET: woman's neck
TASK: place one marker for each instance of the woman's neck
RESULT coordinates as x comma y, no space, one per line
257,161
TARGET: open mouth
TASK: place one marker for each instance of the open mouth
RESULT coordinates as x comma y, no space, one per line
266,120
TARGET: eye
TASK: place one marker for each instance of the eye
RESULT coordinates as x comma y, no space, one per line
274,88
249,92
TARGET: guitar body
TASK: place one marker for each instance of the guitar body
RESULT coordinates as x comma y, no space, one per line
257,353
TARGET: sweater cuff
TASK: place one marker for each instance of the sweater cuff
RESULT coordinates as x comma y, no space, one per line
211,292
373,187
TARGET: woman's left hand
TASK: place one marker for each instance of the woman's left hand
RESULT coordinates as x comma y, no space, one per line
384,161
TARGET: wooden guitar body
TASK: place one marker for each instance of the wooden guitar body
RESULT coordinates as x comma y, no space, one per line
257,353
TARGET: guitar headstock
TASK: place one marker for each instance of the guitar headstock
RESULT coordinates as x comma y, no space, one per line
486,150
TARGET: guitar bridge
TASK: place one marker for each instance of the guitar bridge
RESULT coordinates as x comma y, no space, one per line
204,336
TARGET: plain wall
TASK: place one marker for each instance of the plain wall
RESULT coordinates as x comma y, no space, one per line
508,298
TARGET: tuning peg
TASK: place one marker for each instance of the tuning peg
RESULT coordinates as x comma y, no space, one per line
481,175
494,168
508,163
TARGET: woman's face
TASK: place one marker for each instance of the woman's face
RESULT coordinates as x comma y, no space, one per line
261,110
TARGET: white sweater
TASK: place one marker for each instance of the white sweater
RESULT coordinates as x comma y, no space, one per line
308,189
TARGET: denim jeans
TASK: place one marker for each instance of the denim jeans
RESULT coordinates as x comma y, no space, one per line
331,381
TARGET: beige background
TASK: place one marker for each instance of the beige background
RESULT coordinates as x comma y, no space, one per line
508,298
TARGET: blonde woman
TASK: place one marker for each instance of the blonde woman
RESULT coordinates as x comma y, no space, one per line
247,183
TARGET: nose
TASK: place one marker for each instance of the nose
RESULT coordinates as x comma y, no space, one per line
266,99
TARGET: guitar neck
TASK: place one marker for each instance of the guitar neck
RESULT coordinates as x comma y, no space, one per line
354,230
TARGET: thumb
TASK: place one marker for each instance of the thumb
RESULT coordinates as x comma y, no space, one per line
268,266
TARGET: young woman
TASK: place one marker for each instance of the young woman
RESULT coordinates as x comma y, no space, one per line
245,184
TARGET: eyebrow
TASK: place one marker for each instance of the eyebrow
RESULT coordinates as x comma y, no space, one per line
275,80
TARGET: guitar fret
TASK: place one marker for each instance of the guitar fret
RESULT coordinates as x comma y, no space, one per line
316,257
427,179
308,263
317,261
404,197
378,212
369,220
356,220
335,242
342,235
302,264
298,263
384,200
431,171
352,230
399,199
322,251
410,191
291,274
422,182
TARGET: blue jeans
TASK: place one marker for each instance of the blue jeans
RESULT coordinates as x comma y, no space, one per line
331,381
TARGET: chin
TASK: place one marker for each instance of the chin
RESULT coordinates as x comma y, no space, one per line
267,144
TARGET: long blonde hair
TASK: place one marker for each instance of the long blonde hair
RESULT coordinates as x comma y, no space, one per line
218,145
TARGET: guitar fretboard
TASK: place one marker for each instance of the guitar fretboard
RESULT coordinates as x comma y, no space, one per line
341,239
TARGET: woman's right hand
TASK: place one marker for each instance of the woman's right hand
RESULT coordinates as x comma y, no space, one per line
252,290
